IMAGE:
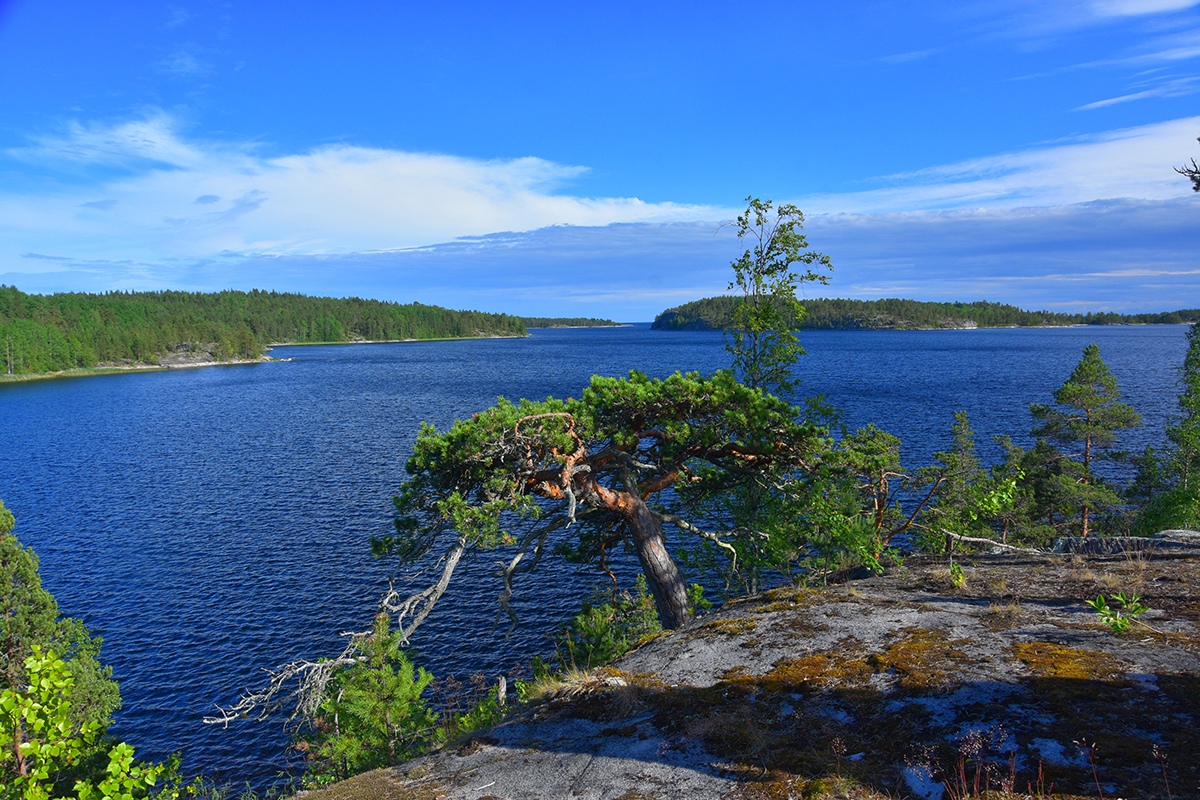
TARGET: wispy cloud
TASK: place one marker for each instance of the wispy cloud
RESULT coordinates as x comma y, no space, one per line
1177,87
185,63
1133,162
1130,8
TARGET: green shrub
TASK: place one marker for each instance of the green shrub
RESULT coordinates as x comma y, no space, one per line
602,632
374,714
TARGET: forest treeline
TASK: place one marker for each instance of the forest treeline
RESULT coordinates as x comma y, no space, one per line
716,313
46,333
568,322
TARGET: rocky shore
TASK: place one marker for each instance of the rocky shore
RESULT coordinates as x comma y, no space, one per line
921,682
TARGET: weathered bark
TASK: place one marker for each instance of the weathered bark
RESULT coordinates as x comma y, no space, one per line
662,574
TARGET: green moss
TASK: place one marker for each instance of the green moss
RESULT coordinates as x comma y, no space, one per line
728,627
1051,660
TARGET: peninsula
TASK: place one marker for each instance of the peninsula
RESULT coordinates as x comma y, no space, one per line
76,333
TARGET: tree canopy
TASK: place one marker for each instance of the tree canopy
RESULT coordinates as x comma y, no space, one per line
589,474
760,332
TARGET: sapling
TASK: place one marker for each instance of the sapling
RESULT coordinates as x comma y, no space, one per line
1121,618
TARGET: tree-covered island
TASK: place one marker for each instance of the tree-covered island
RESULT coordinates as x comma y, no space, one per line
717,313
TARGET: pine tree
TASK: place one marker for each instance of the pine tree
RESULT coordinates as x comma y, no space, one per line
962,477
1089,413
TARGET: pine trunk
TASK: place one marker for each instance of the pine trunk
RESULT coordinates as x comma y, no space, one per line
662,574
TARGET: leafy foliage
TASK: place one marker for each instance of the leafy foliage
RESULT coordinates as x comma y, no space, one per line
1121,617
41,740
29,621
760,333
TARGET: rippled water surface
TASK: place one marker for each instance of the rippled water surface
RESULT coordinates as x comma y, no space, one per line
211,523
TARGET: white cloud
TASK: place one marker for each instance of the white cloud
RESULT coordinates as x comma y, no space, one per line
139,206
1134,162
1170,88
335,199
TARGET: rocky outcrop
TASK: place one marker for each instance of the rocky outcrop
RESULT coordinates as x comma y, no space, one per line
905,684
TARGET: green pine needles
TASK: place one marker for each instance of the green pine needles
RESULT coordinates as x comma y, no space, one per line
374,714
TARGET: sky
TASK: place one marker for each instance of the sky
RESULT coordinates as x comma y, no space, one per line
580,159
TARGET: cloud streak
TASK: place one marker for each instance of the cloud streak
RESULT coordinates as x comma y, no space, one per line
1133,162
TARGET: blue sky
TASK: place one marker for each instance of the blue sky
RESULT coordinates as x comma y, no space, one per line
578,159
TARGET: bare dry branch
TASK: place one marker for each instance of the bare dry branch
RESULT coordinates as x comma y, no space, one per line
420,604
537,539
299,685
715,538
956,537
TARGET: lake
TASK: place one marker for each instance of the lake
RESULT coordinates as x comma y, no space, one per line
212,523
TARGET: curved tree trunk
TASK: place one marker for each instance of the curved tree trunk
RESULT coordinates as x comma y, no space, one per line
662,574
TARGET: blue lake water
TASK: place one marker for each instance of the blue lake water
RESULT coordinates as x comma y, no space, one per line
211,523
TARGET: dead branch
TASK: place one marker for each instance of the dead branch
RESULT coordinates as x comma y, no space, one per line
537,539
913,516
420,604
715,538
956,537
309,678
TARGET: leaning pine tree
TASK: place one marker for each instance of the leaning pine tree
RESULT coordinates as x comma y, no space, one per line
584,476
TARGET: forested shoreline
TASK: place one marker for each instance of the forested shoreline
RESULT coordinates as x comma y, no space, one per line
716,313
50,333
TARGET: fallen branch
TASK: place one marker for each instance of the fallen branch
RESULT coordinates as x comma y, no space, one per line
956,537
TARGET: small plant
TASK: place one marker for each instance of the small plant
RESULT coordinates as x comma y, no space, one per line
697,602
1160,756
1119,619
1089,750
603,632
374,714
958,578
